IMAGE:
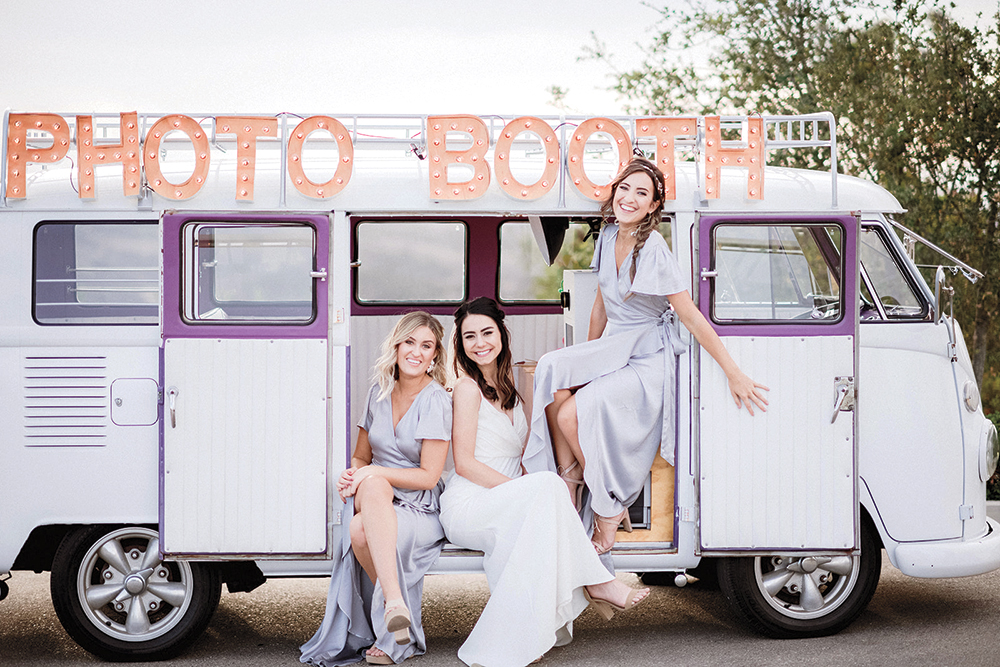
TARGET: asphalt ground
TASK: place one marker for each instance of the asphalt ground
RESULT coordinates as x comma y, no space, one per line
909,622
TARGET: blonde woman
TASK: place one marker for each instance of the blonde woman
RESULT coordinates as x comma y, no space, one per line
393,483
608,404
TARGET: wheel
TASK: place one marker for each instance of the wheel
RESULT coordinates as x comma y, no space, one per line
802,596
120,601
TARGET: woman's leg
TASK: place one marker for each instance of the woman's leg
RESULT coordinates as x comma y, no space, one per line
378,529
562,421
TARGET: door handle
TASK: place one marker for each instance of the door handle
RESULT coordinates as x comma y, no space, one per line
172,405
845,396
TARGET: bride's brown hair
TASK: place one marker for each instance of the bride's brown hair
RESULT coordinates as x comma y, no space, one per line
505,391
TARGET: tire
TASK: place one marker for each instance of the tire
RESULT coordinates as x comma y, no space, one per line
99,574
766,592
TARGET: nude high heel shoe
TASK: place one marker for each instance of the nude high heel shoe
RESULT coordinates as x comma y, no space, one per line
397,621
610,523
607,608
576,494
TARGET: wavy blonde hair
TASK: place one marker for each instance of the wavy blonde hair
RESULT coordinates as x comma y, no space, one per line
652,221
387,370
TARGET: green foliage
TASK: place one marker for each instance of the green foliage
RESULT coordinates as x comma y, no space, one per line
915,95
993,485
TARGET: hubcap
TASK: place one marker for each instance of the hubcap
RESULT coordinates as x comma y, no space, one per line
806,588
127,591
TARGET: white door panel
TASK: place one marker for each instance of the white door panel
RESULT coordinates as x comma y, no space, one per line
261,486
781,478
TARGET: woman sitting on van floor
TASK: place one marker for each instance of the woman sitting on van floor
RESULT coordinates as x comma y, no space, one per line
541,567
394,482
608,403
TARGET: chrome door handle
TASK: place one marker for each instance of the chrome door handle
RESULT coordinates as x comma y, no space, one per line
845,396
172,403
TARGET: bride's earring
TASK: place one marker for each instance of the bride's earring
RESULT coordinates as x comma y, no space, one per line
430,369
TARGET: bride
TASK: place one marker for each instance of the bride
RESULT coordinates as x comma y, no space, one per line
541,566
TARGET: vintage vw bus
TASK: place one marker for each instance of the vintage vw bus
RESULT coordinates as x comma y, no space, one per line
193,305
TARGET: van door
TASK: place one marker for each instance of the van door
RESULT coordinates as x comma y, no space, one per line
781,291
245,367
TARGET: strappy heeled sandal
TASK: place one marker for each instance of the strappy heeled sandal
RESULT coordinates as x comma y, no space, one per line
607,609
613,522
576,494
397,621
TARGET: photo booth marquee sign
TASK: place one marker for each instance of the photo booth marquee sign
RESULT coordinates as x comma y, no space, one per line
138,156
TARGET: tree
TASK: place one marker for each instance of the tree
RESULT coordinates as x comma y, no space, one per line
915,95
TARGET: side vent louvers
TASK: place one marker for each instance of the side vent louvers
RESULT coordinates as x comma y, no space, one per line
66,401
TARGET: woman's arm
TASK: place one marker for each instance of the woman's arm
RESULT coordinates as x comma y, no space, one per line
741,386
362,456
465,424
433,454
598,317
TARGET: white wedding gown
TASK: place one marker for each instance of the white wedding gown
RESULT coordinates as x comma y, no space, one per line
538,557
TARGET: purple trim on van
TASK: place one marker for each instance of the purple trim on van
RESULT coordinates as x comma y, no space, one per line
849,282
162,481
174,325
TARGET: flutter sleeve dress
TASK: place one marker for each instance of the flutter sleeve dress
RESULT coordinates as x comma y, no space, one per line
537,555
354,608
625,408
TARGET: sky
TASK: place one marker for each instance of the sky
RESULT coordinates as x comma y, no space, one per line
332,57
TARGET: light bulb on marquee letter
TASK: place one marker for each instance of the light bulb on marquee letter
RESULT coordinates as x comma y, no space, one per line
345,160
441,158
151,157
18,153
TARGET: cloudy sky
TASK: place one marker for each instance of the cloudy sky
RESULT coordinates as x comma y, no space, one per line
332,56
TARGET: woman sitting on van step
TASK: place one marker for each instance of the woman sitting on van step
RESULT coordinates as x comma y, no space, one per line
394,482
608,403
539,563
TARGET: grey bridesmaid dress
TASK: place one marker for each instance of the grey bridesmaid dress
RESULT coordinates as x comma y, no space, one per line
354,608
626,408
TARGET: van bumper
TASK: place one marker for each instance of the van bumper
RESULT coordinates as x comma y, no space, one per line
936,560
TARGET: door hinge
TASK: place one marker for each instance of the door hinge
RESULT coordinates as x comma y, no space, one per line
965,512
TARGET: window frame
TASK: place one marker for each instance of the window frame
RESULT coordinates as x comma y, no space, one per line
189,279
838,268
399,305
129,223
893,247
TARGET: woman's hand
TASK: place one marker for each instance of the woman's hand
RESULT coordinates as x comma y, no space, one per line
351,479
746,392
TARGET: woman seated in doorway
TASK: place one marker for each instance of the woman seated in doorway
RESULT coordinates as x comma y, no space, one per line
392,489
541,567
604,407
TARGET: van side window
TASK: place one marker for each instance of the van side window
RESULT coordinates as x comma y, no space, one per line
96,273
523,273
411,262
886,283
777,272
258,273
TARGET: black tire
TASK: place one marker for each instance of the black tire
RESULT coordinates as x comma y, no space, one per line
812,596
99,573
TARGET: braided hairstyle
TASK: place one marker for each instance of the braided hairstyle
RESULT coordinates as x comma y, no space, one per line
505,392
652,221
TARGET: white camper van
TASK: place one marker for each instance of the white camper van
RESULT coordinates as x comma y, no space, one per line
192,305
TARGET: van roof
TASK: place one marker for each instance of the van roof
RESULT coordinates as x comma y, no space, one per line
392,166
